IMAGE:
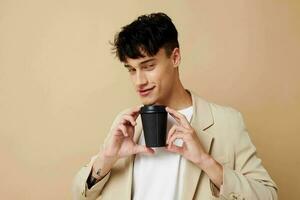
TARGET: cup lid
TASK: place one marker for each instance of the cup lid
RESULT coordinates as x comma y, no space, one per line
153,109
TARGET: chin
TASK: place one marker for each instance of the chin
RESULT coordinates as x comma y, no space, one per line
148,101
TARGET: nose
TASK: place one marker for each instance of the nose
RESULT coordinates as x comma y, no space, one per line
141,79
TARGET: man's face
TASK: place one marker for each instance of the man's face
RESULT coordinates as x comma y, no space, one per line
153,77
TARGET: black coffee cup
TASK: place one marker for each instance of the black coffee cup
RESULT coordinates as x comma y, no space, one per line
154,121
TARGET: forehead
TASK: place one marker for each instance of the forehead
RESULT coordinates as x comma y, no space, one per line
139,61
144,60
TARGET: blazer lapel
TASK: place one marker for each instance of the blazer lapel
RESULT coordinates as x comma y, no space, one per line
201,120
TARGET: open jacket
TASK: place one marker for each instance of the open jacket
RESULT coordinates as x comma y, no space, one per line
223,134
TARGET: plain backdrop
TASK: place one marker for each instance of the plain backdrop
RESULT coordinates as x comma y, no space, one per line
61,87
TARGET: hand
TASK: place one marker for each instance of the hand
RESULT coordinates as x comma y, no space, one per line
121,143
192,148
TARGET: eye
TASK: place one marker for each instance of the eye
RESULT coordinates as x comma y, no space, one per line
131,70
149,67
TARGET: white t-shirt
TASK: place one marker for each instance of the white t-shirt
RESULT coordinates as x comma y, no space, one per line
159,176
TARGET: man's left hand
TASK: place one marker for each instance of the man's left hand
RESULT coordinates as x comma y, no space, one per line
192,148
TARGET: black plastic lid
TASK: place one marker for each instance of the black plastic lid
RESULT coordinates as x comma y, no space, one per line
153,109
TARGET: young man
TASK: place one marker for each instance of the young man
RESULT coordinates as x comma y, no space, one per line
209,153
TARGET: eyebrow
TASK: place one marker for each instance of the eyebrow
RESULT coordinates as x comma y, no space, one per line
145,61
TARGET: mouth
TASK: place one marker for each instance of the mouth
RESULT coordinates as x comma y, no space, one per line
145,92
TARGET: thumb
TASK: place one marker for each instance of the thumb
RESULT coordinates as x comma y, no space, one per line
143,149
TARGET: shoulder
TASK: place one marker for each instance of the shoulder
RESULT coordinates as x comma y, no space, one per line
218,111
226,119
225,113
228,123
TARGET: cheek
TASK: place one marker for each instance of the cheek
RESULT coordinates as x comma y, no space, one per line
154,77
164,82
162,76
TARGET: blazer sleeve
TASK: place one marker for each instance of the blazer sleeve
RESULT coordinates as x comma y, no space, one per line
249,180
80,190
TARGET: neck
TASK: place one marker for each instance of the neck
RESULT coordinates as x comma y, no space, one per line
179,98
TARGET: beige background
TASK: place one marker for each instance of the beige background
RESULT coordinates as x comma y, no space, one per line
60,86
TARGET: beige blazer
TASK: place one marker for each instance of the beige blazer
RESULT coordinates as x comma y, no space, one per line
223,133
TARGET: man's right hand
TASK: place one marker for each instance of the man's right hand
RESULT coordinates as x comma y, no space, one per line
120,143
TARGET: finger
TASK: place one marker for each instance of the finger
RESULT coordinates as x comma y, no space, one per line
175,136
123,129
173,130
123,121
135,111
175,149
128,118
171,112
180,118
143,149
170,133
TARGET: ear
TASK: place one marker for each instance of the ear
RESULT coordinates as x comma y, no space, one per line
176,57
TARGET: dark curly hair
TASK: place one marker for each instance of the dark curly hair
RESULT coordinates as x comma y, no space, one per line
145,36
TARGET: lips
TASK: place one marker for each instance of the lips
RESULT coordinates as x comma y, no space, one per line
145,92
146,89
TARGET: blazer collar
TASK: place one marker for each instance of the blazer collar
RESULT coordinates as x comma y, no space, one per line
201,120
202,115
